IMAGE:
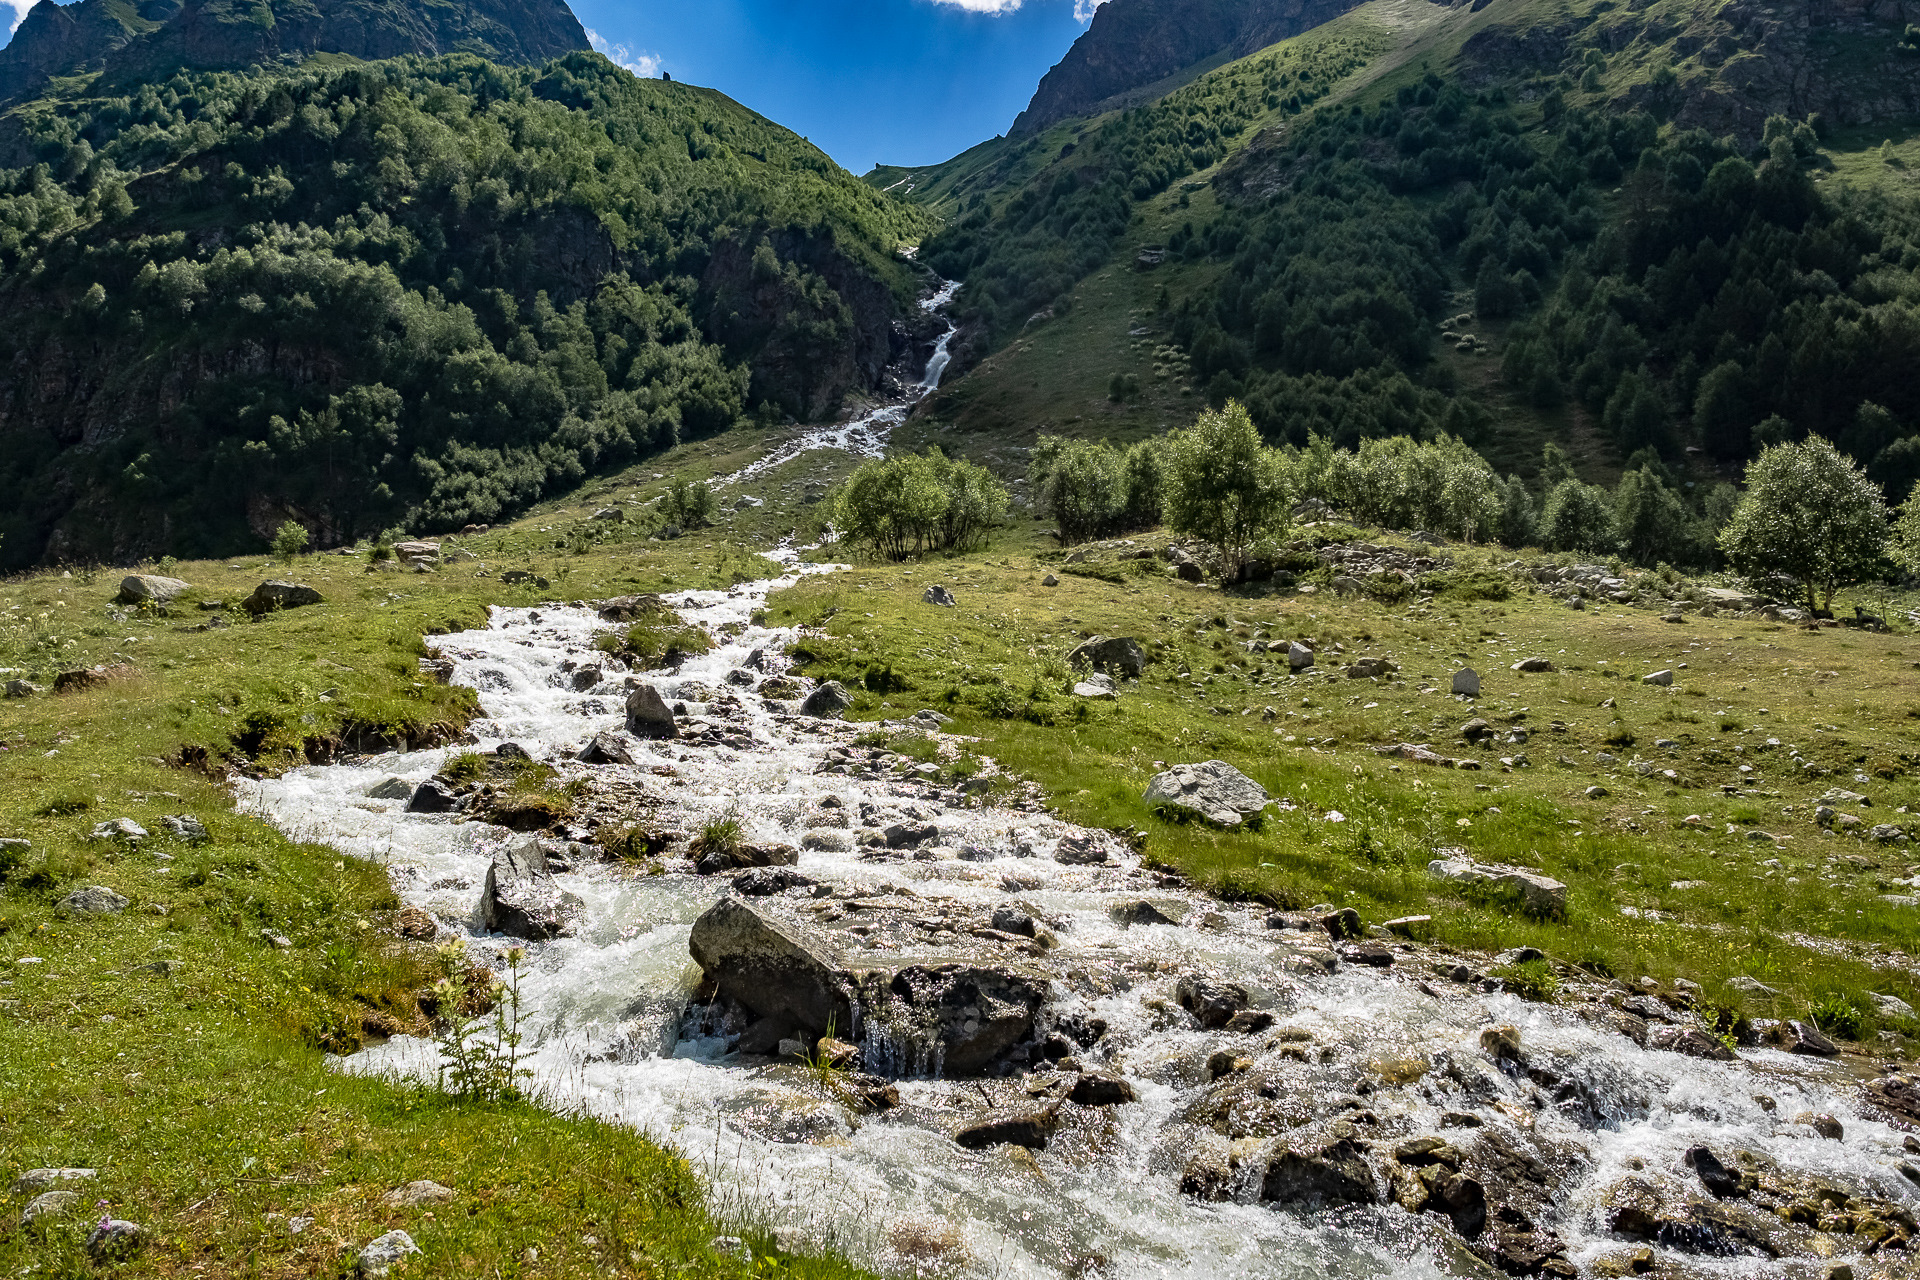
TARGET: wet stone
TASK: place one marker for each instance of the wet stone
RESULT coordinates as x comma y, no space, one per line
1028,1127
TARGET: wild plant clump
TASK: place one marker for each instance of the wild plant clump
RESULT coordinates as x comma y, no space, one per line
480,1054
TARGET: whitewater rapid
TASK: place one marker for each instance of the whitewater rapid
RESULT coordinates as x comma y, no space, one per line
867,435
605,1008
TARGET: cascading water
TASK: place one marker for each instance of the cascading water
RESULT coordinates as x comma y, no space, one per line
866,436
606,1005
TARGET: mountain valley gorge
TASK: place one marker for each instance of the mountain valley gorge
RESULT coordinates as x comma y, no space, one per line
1301,667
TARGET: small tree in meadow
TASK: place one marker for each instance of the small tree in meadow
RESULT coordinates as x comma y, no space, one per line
289,540
1222,484
1810,515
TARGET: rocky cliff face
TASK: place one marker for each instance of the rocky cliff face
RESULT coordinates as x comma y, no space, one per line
153,38
1133,44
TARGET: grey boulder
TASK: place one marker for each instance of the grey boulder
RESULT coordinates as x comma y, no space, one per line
829,702
1214,791
648,715
1466,683
94,900
187,829
144,588
1540,894
966,1002
1119,656
379,1256
119,830
1098,686
432,796
274,595
1299,657
49,1204
938,595
521,899
608,748
114,1238
391,788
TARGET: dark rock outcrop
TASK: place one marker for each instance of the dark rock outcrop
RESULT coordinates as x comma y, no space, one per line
648,715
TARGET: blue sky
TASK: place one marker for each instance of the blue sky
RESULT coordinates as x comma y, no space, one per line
868,81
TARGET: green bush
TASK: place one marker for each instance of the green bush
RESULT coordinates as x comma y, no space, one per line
1839,1017
1094,489
689,504
920,504
289,540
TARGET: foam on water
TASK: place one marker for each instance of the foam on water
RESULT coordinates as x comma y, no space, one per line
605,1005
867,435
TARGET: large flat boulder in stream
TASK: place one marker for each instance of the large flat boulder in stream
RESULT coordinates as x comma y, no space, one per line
962,1003
521,898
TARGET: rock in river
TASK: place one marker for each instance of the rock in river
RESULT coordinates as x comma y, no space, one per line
1214,791
521,898
829,702
648,715
967,1001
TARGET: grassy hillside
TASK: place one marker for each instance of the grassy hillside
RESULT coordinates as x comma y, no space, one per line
419,292
179,1012
1535,221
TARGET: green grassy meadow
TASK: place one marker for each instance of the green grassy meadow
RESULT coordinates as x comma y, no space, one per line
177,1049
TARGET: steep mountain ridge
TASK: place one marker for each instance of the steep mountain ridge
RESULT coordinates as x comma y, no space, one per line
137,40
1657,237
419,292
1135,50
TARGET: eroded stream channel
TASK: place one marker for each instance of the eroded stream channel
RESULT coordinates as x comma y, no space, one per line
1332,1129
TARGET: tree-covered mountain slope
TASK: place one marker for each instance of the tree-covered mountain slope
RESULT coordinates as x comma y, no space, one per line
419,292
134,41
1663,234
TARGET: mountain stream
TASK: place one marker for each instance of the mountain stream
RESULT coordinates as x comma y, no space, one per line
1183,1180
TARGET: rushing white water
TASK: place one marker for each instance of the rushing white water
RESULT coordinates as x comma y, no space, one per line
867,435
604,1006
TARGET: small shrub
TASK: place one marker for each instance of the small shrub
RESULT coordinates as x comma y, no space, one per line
688,504
468,766
1469,585
1620,735
476,1065
723,834
1530,980
1839,1017
289,540
65,803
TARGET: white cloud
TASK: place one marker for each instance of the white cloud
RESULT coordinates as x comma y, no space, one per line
1083,9
645,65
14,11
986,6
